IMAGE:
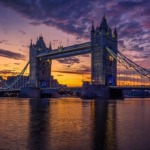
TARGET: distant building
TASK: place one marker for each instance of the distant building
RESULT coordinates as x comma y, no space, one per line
2,82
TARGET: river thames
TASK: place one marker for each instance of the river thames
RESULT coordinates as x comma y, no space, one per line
74,124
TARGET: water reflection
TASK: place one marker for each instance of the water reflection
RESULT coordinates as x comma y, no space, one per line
104,121
72,124
38,124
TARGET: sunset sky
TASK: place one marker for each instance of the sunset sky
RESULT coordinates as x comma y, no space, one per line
68,22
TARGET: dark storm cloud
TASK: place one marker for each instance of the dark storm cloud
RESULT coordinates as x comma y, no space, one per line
75,16
130,17
11,55
64,14
130,5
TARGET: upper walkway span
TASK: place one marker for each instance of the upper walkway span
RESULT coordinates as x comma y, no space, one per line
61,52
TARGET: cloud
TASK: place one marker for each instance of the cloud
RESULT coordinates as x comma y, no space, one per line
121,44
74,17
11,55
16,63
60,75
8,72
6,65
138,48
69,60
86,55
3,41
71,72
25,46
82,69
64,14
22,32
143,56
6,42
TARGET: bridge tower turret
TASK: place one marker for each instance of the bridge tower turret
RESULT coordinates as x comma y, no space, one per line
102,63
40,68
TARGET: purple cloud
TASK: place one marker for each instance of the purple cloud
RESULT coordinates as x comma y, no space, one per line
69,60
11,55
74,17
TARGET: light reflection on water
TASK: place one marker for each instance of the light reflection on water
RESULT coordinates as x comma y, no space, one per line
74,124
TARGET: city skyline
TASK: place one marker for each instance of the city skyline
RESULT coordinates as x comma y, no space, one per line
25,20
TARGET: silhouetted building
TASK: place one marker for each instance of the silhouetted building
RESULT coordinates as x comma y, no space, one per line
2,82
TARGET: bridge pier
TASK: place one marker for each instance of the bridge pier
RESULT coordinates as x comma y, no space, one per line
30,92
116,93
90,91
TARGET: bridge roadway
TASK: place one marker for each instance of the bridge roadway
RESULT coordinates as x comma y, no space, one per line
78,49
131,87
80,88
9,90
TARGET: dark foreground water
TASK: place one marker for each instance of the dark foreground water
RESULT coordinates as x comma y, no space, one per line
74,124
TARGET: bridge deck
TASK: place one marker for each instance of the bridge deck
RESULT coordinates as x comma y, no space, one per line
130,87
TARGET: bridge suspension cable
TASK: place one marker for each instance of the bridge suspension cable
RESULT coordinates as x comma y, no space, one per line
18,79
129,64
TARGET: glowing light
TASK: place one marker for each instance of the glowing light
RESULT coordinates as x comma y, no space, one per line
111,58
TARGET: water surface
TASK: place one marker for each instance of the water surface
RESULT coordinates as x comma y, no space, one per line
74,124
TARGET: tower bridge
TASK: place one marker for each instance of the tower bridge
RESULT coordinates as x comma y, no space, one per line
103,66
105,58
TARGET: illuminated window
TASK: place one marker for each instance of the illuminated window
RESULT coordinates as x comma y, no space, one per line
111,58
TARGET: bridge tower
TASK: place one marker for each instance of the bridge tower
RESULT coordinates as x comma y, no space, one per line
40,68
103,66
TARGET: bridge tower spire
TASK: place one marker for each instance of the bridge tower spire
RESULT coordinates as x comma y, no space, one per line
115,33
50,46
103,66
92,29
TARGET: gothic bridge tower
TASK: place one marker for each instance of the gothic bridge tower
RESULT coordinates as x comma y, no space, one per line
103,66
40,68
